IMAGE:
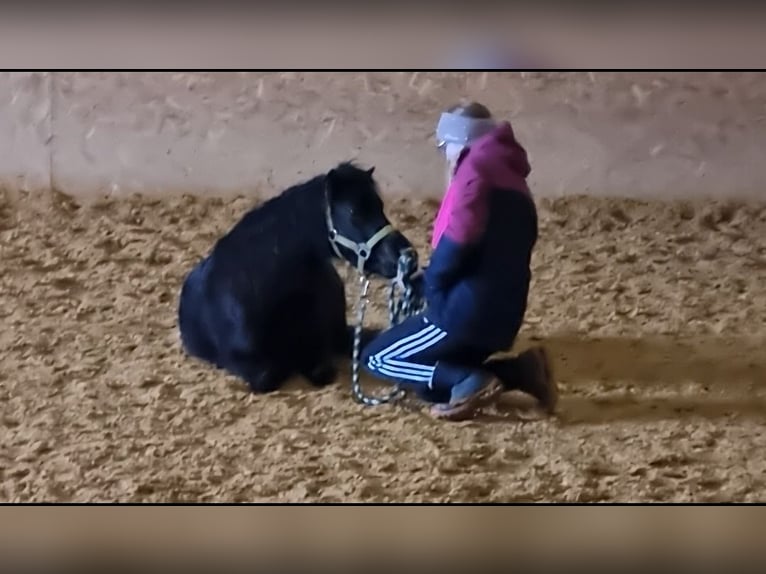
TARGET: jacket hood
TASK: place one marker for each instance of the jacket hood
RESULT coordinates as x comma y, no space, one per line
500,158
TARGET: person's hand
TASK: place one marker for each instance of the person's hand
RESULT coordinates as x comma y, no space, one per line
414,280
417,282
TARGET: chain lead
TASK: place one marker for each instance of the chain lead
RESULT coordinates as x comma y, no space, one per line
399,308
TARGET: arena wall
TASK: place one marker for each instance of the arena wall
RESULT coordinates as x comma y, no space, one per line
636,134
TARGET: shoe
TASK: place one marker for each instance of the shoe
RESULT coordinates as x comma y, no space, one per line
537,378
468,396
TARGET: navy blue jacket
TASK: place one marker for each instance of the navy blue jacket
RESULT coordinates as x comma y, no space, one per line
477,281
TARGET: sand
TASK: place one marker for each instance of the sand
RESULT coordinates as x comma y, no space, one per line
655,315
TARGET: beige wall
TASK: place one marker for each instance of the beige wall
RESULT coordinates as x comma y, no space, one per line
631,133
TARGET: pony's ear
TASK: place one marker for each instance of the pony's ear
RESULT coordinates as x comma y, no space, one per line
330,179
371,171
335,189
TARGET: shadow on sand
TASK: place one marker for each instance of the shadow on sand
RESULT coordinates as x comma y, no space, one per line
618,379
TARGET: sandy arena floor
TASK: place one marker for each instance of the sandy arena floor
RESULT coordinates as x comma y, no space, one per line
655,315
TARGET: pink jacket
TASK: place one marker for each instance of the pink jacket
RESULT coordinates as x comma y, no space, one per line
493,161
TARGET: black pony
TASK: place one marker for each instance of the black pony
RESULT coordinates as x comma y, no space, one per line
267,303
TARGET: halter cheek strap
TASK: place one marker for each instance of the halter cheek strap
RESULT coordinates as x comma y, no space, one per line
362,250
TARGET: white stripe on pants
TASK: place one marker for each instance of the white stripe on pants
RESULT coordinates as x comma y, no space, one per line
390,361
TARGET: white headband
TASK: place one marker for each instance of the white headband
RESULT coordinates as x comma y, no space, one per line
454,128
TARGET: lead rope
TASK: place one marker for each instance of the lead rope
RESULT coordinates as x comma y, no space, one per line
399,308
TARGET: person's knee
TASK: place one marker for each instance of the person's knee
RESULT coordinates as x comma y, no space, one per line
367,352
375,342
371,355
382,347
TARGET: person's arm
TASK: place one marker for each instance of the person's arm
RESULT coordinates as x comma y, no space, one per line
466,225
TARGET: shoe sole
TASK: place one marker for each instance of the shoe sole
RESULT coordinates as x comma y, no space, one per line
467,408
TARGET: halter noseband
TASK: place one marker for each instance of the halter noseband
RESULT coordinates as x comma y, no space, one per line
362,250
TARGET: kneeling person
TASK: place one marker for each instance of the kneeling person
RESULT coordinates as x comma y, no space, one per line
477,281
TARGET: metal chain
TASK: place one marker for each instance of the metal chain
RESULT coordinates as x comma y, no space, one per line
399,308
404,306
356,386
